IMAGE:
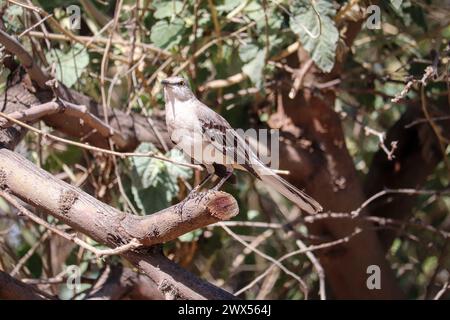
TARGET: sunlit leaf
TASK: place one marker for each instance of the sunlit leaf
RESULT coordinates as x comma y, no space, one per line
255,62
69,65
166,35
317,31
166,9
155,182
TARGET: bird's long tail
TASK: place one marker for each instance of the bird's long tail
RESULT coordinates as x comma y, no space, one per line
300,198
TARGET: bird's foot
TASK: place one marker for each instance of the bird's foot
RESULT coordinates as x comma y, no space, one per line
193,192
222,181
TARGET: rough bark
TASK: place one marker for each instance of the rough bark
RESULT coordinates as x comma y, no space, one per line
13,289
118,282
112,227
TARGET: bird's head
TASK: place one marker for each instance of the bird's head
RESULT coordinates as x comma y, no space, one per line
177,88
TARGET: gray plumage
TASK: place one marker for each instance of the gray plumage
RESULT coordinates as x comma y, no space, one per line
208,138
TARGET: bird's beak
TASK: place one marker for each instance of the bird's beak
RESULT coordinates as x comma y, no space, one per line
165,82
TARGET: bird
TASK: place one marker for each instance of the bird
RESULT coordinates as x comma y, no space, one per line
208,139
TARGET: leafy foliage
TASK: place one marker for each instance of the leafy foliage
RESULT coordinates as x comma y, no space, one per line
315,26
70,64
155,182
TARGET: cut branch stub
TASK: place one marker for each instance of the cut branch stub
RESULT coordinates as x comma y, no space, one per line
198,210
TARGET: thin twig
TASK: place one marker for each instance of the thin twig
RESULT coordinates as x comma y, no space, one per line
34,25
37,112
303,285
317,266
382,142
441,292
29,253
297,252
93,148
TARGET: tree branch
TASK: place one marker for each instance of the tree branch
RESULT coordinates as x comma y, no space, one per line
114,228
133,128
35,113
25,59
13,289
117,282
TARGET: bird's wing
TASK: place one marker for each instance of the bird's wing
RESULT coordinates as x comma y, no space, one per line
218,132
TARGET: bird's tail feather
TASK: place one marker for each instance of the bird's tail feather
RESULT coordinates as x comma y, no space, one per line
300,198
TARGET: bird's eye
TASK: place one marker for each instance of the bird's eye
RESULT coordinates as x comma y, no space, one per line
181,83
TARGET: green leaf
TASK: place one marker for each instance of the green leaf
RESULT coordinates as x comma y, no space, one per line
228,5
166,35
176,170
167,9
252,214
254,59
318,36
69,65
155,182
12,17
429,265
248,52
254,69
191,236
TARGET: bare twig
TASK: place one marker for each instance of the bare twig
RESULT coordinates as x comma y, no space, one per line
35,113
382,142
253,244
29,253
317,266
203,49
223,83
441,292
303,285
297,252
92,148
87,41
429,72
436,130
299,76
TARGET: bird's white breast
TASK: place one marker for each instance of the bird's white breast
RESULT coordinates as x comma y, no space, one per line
184,128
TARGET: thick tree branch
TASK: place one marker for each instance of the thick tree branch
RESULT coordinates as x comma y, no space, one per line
92,217
13,289
133,128
117,282
172,280
114,228
35,113
13,46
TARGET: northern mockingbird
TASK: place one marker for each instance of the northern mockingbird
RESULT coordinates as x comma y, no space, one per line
208,138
